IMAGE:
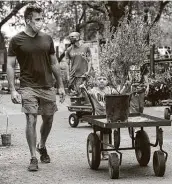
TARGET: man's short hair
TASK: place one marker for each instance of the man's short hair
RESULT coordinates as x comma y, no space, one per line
30,9
74,34
101,74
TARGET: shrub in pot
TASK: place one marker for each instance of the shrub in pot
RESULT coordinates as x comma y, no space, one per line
123,47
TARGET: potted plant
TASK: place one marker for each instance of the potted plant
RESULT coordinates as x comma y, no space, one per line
6,137
122,48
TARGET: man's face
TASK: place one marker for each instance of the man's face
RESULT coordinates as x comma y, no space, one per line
102,82
36,21
74,39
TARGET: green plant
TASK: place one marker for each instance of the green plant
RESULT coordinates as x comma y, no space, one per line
124,46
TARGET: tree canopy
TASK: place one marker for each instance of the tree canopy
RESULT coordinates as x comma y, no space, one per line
87,17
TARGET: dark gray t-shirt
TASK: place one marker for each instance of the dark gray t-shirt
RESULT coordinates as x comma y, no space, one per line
79,57
33,55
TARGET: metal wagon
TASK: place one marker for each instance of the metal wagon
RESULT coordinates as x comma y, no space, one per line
79,109
140,142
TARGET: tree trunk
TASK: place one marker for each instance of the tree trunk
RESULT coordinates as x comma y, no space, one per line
116,11
2,42
85,19
76,18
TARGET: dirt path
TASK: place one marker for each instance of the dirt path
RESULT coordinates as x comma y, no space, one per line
67,148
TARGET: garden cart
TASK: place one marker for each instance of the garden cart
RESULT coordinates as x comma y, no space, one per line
79,108
140,142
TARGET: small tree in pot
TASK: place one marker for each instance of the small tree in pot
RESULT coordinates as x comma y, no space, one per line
125,46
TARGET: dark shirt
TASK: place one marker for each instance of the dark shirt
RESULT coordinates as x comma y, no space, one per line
33,55
79,57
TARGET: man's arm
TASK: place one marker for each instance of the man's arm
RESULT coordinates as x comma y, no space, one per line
10,71
89,60
89,66
57,74
67,60
68,67
126,87
56,70
15,96
68,63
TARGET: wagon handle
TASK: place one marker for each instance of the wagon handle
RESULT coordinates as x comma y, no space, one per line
83,89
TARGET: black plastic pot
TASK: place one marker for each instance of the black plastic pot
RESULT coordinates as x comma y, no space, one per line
6,139
117,107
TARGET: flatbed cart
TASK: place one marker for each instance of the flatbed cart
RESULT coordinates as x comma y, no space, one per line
140,142
167,110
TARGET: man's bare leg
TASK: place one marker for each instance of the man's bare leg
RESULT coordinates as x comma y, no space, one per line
31,140
31,135
45,130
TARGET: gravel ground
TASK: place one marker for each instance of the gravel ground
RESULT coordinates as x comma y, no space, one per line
67,148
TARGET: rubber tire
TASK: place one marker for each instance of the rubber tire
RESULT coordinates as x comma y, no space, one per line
75,120
167,113
142,148
94,162
114,168
159,163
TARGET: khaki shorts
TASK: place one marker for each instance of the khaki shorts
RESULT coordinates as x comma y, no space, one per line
38,101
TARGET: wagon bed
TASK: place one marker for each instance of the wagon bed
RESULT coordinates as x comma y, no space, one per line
134,120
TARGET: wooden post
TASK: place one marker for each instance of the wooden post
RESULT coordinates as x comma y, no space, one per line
152,62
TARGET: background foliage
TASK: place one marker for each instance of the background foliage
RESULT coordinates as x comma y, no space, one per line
128,45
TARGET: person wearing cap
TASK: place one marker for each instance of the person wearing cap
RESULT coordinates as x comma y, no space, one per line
78,57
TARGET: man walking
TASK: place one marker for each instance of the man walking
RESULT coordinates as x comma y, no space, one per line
79,59
35,53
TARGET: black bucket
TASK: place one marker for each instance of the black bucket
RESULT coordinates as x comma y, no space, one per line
6,139
117,108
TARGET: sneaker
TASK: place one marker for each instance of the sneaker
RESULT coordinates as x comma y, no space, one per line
44,156
33,164
105,155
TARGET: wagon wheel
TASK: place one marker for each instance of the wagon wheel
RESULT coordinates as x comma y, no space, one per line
159,163
142,148
73,120
114,165
167,113
93,151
